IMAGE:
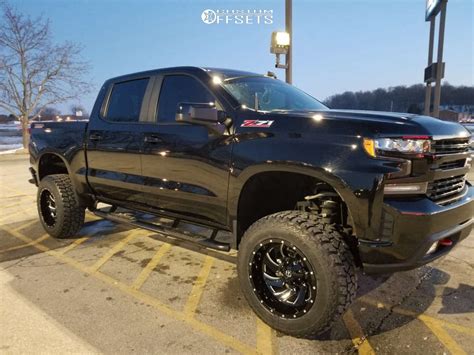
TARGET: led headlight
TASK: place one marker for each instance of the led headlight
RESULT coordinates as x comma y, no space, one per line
405,145
405,189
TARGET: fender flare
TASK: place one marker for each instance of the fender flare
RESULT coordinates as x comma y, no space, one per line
44,153
237,184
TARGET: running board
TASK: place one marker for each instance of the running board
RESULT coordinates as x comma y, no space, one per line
166,231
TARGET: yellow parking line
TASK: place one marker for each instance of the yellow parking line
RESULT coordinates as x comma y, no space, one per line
32,243
23,238
115,249
26,225
6,207
199,326
406,312
15,191
74,244
140,280
198,288
443,336
357,334
15,213
454,326
265,340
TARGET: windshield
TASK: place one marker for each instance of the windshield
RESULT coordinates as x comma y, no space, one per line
268,94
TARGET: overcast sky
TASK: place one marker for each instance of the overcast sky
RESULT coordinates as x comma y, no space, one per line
339,45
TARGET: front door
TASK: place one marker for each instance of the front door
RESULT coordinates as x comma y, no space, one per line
186,166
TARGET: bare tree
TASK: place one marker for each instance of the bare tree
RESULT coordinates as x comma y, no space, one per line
34,72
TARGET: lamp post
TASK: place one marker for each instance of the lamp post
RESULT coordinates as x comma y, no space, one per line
289,30
281,44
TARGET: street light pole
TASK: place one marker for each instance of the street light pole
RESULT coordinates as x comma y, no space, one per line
289,30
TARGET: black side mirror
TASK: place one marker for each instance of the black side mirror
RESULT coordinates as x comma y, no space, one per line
203,113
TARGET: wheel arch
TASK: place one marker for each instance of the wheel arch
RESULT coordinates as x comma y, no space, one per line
50,163
239,191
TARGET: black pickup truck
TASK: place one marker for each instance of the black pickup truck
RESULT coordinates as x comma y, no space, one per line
307,194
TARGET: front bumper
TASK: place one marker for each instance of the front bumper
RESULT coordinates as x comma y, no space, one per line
410,228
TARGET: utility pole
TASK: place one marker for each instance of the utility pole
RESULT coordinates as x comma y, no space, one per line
289,30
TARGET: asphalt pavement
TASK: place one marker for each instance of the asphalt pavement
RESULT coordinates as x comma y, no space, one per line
113,290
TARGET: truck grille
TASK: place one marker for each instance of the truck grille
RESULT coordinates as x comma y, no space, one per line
445,191
451,165
450,146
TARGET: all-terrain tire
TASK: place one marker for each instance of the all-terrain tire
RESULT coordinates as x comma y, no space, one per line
324,248
66,218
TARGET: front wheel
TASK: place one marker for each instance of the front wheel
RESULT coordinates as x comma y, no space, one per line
296,272
58,206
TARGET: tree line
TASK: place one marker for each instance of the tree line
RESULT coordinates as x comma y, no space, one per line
400,98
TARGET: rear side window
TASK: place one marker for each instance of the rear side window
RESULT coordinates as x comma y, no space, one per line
126,101
178,89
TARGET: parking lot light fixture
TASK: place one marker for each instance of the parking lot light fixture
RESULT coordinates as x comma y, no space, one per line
280,42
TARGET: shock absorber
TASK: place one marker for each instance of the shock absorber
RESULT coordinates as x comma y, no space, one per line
325,203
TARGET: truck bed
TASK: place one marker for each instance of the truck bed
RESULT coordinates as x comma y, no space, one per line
66,138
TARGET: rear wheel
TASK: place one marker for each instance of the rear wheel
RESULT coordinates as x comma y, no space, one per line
296,272
58,206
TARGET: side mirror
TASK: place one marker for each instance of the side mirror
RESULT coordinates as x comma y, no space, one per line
202,113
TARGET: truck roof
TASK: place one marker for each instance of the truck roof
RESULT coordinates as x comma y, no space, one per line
225,73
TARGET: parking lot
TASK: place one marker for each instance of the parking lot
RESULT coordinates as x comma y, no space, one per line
119,290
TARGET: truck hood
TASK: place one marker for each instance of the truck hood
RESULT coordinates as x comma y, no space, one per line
389,123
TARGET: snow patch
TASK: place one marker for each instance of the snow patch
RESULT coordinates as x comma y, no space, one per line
10,144
10,149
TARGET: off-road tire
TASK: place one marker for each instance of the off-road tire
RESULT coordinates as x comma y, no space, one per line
326,251
69,214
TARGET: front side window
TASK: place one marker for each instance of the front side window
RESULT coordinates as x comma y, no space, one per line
126,101
267,94
178,89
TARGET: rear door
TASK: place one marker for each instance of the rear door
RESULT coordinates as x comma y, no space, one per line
114,141
186,166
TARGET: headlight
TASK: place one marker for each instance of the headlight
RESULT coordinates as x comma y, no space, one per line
405,145
471,143
405,189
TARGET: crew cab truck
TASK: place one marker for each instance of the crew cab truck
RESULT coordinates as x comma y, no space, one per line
308,194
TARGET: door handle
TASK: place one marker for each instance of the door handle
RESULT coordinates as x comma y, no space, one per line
95,137
153,139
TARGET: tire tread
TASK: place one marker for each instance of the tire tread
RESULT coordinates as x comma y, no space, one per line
73,214
329,237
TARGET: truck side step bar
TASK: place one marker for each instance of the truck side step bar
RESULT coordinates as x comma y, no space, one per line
166,231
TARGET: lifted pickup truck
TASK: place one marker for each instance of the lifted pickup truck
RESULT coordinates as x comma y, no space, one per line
308,194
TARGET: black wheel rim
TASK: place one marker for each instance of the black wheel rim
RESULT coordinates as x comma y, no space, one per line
282,278
48,208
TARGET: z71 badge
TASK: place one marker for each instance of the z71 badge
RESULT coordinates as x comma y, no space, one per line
256,123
